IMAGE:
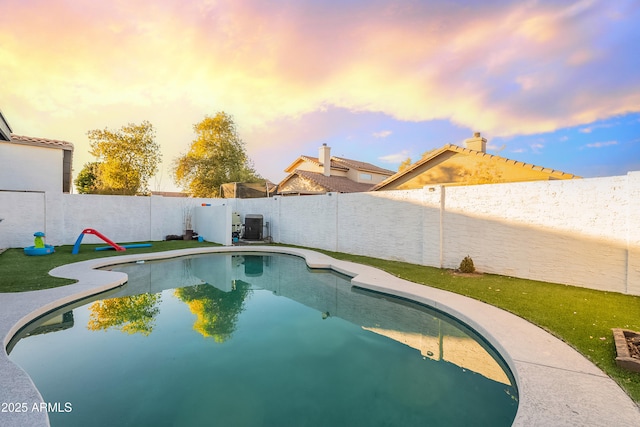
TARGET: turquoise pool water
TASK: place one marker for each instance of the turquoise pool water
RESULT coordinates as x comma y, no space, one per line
259,340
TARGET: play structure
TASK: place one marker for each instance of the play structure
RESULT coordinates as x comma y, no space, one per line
39,248
131,246
111,243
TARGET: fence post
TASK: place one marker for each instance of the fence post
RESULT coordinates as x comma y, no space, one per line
442,212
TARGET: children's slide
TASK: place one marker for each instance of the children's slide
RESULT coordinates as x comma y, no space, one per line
76,247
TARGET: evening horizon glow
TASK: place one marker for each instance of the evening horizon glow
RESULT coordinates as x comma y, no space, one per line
548,83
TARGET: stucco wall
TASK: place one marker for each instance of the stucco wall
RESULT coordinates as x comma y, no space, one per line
299,184
356,175
579,232
28,168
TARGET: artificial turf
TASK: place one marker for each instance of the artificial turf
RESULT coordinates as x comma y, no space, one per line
583,318
19,272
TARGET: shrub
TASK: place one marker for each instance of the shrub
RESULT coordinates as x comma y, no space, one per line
466,265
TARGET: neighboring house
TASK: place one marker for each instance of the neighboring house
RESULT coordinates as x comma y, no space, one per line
326,173
454,165
34,164
247,190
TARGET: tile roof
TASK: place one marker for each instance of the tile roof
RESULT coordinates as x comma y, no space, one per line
451,147
339,163
339,184
459,149
363,166
316,161
51,143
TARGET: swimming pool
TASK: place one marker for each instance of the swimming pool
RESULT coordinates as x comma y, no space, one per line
255,339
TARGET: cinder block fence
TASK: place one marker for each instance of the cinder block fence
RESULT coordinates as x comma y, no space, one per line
579,232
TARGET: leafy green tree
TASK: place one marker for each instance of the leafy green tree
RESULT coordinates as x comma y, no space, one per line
87,180
217,156
128,158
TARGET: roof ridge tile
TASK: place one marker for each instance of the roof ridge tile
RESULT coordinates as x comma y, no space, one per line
30,140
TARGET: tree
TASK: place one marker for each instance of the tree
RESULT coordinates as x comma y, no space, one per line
217,156
87,180
131,314
216,311
405,164
128,158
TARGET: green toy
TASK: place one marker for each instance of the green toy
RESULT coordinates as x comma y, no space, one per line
39,248
38,242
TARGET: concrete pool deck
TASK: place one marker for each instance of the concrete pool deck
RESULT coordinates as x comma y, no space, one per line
557,386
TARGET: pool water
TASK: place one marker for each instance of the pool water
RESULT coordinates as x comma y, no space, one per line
259,340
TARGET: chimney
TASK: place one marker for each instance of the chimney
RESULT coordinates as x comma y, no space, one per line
324,158
477,143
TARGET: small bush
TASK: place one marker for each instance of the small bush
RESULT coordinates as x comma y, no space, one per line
466,266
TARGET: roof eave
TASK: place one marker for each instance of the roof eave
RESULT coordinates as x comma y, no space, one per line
411,168
455,148
293,165
67,146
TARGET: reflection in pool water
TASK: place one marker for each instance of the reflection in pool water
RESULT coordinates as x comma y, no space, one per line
259,340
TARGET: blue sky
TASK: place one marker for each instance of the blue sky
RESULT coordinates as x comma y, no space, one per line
555,84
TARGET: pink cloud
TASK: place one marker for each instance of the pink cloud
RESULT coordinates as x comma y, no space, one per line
506,68
415,61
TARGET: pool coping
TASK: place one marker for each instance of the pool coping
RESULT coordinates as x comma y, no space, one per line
556,384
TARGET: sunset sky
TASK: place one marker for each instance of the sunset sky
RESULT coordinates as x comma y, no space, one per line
553,83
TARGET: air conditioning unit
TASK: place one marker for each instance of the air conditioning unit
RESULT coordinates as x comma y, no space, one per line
253,227
236,223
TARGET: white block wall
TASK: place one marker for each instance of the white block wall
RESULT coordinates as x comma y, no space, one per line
558,231
391,225
120,218
22,215
633,233
213,223
578,232
309,219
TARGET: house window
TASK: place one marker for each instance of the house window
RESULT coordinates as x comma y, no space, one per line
365,176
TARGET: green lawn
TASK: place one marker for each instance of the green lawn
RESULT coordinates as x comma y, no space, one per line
19,272
583,318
